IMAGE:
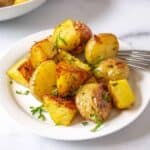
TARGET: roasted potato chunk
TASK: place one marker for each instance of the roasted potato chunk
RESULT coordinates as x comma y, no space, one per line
100,47
123,96
68,58
22,71
93,99
62,111
112,69
43,79
42,51
69,78
71,36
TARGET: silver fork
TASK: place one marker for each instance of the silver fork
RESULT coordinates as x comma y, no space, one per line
136,58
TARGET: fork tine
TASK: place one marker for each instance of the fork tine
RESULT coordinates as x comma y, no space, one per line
137,64
138,59
138,67
135,61
135,51
134,54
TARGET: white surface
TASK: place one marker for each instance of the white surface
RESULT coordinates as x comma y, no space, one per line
118,16
18,105
14,11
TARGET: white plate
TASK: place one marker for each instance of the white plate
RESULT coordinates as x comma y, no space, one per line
14,11
18,106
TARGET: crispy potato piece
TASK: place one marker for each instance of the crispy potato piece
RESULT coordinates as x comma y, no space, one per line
123,96
71,36
22,71
93,99
65,56
43,79
69,78
42,51
112,69
62,111
100,47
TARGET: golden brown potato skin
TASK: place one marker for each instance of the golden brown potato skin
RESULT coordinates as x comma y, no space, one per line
90,101
6,2
100,47
69,78
71,36
112,69
26,69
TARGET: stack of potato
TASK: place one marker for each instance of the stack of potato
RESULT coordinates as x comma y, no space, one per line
65,84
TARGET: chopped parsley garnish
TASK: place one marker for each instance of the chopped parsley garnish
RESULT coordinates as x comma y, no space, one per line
114,84
110,66
97,121
106,96
59,38
22,93
98,124
54,92
85,123
39,111
10,82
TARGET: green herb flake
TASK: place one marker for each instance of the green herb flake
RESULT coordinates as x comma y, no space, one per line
39,111
54,92
114,84
85,123
106,96
98,122
26,92
22,93
10,82
61,39
110,66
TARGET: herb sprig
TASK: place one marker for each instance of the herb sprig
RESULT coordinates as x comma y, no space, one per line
97,121
59,38
22,92
38,111
106,96
85,123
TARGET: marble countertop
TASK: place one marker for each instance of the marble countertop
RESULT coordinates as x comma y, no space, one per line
128,19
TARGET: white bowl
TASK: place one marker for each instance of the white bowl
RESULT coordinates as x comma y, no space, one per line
14,11
18,105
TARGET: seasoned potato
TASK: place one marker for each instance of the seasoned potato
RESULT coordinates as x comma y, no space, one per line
22,71
112,69
71,36
64,56
6,2
123,96
93,99
100,47
42,51
43,79
62,111
69,78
